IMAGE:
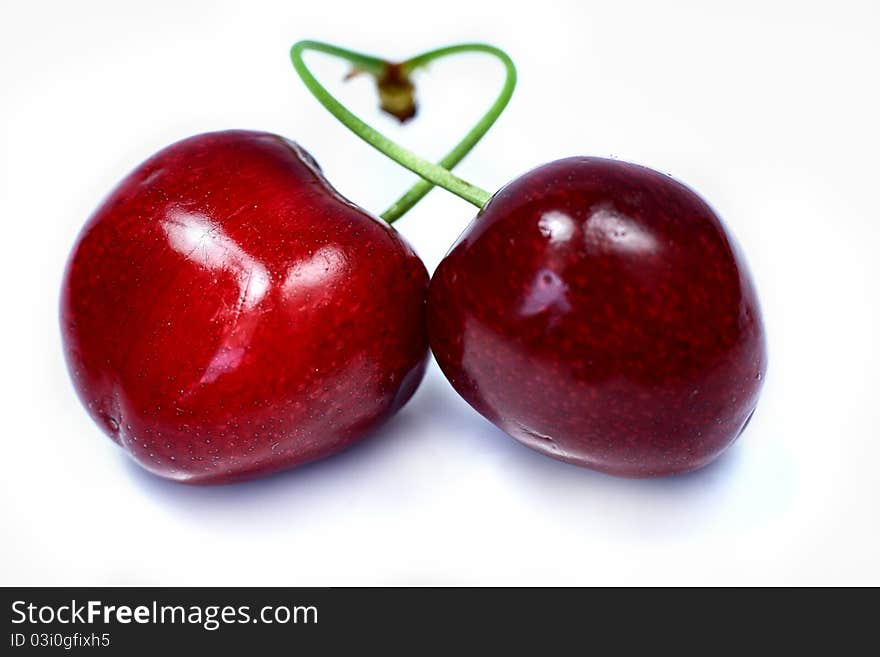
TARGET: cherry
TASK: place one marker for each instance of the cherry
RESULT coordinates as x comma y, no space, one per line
598,312
226,313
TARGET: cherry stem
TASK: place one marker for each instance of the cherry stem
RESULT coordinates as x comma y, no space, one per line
432,174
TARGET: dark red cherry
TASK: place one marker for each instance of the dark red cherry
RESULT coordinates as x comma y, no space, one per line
598,312
226,313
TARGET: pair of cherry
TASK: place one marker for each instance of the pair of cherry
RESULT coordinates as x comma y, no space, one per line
226,313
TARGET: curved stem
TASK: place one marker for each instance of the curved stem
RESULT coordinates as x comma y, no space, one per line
367,63
433,173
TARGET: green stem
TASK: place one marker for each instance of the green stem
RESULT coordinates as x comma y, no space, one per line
433,174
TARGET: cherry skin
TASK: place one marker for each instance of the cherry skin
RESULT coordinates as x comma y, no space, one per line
226,313
598,312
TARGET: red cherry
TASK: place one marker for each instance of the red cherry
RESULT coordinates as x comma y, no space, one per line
226,313
599,312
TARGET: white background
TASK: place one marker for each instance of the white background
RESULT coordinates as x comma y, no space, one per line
769,109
